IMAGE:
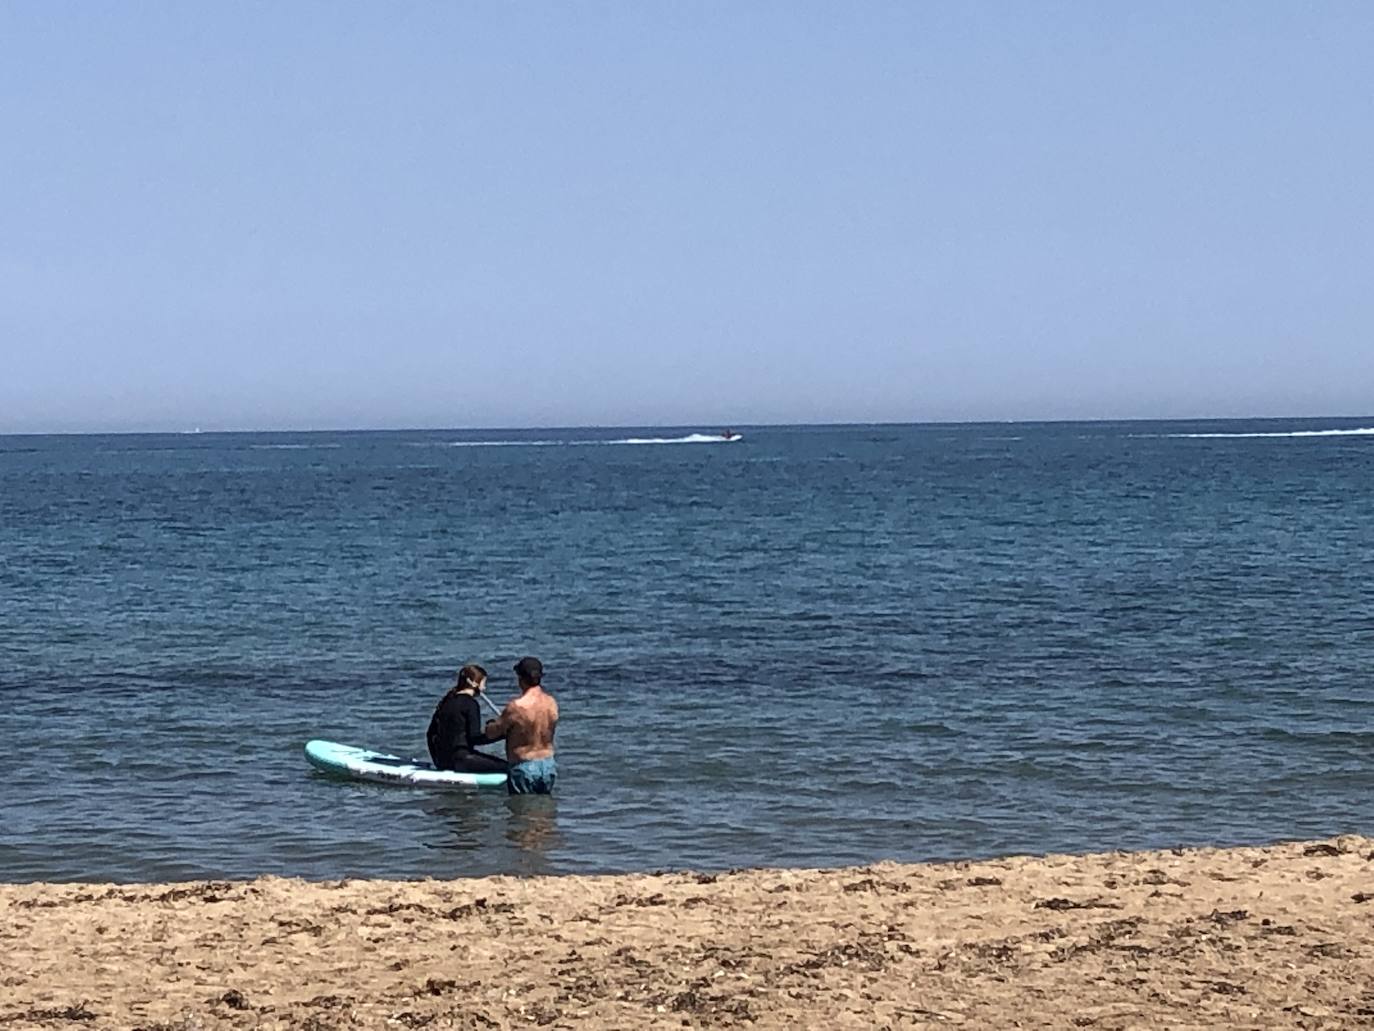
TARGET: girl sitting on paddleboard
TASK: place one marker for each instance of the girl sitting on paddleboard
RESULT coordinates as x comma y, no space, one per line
455,730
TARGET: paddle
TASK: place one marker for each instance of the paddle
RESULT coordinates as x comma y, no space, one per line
490,704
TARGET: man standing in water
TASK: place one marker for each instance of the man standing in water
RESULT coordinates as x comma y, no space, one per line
528,723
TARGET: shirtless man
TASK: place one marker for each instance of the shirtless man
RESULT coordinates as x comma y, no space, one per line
527,723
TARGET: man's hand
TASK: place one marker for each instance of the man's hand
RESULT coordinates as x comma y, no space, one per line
495,729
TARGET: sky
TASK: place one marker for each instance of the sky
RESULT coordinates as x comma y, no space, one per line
334,215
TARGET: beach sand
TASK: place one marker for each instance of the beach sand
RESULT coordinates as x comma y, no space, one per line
1247,937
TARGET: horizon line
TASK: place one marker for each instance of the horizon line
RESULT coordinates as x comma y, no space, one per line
197,431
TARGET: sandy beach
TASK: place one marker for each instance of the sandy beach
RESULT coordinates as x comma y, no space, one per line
1251,937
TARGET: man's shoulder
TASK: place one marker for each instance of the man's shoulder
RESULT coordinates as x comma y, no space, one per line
534,703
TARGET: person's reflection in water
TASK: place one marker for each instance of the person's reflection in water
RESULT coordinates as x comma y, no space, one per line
533,830
517,839
468,827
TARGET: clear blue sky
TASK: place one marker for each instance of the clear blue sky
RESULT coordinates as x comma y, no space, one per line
252,215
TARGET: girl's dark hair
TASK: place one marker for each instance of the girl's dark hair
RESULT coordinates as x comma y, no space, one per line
470,676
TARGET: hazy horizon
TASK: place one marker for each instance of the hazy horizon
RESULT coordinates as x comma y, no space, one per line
697,427
343,216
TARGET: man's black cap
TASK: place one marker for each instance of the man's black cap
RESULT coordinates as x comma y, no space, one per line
530,670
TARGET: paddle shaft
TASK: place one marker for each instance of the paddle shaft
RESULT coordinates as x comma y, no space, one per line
490,704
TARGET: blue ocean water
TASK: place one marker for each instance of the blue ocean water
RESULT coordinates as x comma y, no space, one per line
813,646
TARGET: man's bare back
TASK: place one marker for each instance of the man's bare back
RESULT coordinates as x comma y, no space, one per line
528,724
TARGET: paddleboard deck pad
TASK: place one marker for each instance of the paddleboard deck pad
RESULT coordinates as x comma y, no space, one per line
363,764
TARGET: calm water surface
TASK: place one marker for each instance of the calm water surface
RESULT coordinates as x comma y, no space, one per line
814,646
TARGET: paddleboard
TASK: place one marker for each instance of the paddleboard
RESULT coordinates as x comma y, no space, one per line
364,764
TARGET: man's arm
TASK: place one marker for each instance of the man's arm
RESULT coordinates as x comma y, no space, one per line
496,729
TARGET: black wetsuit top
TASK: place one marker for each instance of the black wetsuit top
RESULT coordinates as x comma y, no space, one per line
455,731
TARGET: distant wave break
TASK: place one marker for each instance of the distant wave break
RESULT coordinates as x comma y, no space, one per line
691,438
1366,431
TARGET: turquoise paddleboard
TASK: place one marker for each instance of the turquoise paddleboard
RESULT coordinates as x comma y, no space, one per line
363,764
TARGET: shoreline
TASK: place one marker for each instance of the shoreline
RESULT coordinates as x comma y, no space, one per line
1275,936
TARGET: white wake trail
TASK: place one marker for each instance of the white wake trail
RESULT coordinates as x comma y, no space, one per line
691,438
1365,431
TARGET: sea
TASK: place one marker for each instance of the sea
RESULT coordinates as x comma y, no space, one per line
813,646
